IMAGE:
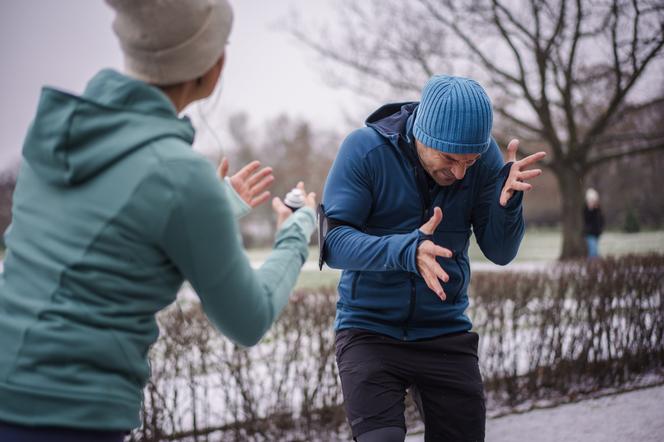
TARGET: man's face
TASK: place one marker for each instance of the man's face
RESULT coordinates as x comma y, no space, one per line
444,168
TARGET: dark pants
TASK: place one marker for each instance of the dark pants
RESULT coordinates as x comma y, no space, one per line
442,373
19,433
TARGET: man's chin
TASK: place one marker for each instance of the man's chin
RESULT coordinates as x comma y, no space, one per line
444,181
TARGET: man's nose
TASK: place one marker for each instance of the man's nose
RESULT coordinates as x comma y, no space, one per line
459,171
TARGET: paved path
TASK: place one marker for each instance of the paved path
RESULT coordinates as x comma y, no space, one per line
633,416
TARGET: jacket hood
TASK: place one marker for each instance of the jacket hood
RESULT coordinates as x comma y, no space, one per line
73,138
394,119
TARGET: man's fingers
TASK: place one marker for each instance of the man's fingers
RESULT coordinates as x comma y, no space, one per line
430,226
512,147
440,273
263,197
434,284
442,251
518,185
503,199
531,159
529,174
249,169
223,168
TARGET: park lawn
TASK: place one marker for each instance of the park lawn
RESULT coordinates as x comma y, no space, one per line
537,246
313,279
545,245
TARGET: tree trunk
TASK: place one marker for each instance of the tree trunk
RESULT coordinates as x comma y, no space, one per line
570,182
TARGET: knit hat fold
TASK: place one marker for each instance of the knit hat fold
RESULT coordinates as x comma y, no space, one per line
170,41
454,116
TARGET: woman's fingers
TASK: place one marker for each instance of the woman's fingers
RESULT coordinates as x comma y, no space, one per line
248,170
260,199
282,211
258,176
262,185
222,170
311,200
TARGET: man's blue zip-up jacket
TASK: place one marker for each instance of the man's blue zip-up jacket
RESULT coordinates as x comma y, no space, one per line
378,195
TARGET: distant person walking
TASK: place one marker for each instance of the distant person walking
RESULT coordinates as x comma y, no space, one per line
112,211
593,222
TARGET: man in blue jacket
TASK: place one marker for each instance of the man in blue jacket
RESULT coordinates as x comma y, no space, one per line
401,319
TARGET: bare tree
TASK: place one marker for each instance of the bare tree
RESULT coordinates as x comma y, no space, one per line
296,152
562,73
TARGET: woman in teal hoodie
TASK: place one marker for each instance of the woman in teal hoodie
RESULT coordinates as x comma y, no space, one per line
112,212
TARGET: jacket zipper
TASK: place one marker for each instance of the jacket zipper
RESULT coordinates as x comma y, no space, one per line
463,278
411,308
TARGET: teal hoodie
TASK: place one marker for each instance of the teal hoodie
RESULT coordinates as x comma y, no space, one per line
112,212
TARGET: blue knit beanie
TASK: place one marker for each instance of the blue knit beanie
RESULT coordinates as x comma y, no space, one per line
454,116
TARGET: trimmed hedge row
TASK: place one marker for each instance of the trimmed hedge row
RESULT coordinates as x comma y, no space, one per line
575,329
570,330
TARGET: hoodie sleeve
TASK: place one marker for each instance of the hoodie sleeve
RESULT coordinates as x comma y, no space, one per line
498,229
239,207
201,237
347,199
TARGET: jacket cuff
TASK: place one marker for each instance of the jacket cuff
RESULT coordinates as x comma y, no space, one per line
299,226
411,262
239,207
305,219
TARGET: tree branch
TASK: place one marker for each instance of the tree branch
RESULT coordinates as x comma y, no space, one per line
519,122
614,154
602,121
617,71
470,44
517,56
544,109
560,25
629,137
566,92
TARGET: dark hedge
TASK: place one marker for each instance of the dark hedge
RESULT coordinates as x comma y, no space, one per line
574,329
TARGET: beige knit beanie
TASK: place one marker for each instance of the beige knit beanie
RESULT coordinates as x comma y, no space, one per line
170,41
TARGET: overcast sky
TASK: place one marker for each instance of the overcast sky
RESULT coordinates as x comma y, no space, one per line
64,43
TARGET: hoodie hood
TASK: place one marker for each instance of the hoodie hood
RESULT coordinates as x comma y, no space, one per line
73,138
394,119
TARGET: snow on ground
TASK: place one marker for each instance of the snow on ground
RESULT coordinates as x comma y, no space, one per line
632,416
529,266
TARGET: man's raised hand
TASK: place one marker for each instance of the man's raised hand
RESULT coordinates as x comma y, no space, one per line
518,173
427,252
